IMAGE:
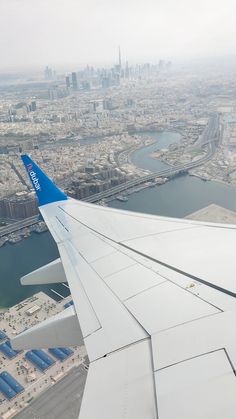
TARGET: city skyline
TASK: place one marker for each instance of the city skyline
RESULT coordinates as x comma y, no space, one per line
59,32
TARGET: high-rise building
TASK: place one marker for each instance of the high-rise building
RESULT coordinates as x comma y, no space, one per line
130,102
74,81
120,58
48,73
127,71
106,82
68,82
107,104
161,64
20,206
33,106
86,85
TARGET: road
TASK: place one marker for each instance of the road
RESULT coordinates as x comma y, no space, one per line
61,401
211,131
209,140
171,171
18,225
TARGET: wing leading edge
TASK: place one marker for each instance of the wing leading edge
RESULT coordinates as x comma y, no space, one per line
142,285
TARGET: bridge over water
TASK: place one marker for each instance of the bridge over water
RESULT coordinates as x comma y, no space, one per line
211,137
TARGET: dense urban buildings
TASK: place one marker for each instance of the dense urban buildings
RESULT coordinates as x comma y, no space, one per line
82,126
19,206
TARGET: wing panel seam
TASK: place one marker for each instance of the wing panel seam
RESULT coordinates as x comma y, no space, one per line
198,356
209,284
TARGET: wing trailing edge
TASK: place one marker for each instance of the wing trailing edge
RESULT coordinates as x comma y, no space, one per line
58,331
51,273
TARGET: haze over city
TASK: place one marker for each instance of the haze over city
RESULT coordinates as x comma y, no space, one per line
117,161
75,32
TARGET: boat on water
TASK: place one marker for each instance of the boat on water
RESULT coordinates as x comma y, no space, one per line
122,198
15,239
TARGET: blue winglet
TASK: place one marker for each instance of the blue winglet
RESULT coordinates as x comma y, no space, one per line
47,192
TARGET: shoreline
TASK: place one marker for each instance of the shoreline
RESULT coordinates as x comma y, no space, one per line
26,232
20,237
221,182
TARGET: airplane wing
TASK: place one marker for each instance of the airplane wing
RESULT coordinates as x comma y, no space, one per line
155,300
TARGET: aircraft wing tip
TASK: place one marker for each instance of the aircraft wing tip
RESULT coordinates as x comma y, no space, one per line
46,191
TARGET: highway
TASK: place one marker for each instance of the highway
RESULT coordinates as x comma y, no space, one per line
209,139
211,131
171,171
18,225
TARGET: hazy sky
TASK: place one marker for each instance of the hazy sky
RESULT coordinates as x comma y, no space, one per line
40,32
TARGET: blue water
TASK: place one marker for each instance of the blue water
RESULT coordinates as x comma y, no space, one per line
176,198
21,258
142,157
179,197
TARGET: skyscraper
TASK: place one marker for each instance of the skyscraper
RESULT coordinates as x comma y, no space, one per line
33,106
67,82
19,206
127,70
119,58
74,81
161,64
48,73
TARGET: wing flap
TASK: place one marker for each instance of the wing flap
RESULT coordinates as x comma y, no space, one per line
121,386
117,327
203,335
88,319
203,387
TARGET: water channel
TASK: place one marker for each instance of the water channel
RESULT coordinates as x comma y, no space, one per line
176,198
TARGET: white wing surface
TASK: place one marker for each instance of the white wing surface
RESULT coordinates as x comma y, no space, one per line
155,299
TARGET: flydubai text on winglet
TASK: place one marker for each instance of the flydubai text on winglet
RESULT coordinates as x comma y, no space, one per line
33,177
